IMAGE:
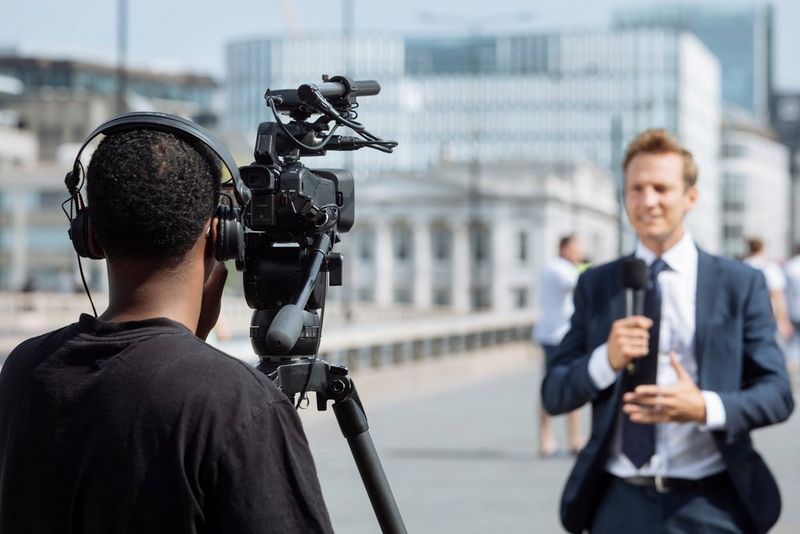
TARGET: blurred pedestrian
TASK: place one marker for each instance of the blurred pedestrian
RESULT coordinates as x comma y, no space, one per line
557,281
792,271
776,284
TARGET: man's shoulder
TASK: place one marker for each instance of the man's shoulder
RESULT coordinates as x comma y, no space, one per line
202,361
42,344
603,272
733,276
731,267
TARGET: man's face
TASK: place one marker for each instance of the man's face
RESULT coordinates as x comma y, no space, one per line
573,251
657,200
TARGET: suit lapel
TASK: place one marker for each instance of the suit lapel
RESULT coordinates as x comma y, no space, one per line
708,276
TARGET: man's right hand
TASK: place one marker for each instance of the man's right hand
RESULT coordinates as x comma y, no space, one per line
628,340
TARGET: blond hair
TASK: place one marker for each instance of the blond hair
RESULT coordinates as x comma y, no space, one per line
660,141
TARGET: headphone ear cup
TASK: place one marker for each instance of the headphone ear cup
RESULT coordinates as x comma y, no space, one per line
228,233
219,249
80,229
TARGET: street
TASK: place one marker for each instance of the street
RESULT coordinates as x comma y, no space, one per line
457,438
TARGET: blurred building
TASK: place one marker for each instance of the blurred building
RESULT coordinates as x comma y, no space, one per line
18,146
786,122
739,35
531,97
424,239
35,252
755,187
61,101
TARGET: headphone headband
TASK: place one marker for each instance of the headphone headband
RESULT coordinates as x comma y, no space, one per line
151,120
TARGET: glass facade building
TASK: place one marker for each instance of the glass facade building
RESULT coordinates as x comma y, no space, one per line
740,37
534,97
38,73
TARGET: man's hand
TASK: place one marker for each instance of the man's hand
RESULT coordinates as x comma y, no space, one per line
628,340
212,300
679,403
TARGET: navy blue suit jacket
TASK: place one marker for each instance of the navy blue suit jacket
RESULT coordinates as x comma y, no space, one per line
737,356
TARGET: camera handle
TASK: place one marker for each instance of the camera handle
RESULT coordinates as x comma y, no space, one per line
331,382
287,326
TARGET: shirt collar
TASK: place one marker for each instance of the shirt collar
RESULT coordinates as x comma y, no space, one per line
681,257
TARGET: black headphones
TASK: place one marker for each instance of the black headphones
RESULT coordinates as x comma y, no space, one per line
228,228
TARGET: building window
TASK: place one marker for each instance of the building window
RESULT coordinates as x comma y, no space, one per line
733,194
402,295
365,294
440,241
402,243
479,238
521,298
441,297
366,244
522,248
480,298
733,151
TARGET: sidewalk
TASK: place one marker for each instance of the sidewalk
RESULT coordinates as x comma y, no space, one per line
457,439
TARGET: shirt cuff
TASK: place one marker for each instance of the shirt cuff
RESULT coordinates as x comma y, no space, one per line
715,411
600,368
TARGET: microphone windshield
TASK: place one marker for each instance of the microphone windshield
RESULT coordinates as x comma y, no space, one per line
634,273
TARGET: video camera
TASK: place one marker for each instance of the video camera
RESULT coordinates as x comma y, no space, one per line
283,231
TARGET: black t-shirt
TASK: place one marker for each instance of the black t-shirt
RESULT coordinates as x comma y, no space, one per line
141,427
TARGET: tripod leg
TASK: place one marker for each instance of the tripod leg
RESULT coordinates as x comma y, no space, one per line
353,423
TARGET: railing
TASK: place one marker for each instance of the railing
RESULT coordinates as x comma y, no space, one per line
361,336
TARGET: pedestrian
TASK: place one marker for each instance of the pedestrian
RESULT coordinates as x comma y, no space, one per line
776,284
792,272
557,281
674,392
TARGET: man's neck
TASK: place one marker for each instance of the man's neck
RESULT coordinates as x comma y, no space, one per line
138,292
659,247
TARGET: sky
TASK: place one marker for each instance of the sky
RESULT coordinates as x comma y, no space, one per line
191,34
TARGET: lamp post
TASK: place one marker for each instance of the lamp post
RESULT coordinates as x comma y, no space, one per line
122,53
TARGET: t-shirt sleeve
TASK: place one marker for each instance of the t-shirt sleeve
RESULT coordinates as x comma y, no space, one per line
776,280
265,480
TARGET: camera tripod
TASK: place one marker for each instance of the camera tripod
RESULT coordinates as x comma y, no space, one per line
331,382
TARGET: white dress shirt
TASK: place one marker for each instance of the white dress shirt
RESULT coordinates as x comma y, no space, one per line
557,281
683,450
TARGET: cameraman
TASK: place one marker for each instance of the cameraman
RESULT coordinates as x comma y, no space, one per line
130,422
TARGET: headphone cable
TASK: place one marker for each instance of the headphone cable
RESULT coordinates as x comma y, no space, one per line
85,285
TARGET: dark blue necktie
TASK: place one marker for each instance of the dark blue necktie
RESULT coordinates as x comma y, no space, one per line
638,440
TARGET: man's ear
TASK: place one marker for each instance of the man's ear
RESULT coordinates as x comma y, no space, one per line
691,196
211,237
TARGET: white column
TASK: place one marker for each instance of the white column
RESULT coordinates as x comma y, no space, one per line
423,265
460,264
384,259
503,246
19,239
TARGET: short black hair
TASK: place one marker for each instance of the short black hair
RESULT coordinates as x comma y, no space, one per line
565,240
150,193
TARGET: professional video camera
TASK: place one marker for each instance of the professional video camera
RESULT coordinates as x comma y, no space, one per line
282,235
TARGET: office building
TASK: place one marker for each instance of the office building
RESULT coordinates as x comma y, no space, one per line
534,97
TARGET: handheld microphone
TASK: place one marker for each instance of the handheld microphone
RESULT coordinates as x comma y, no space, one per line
634,280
